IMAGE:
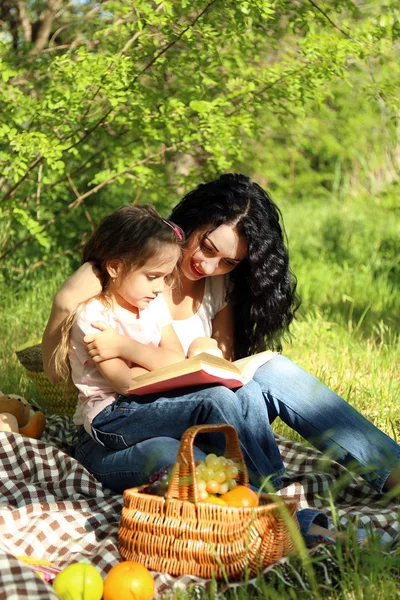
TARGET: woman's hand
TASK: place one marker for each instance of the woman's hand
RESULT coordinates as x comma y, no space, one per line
204,344
105,345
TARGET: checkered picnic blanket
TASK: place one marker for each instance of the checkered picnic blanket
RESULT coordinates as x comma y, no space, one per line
52,508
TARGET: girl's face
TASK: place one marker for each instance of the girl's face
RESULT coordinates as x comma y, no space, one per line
137,288
215,253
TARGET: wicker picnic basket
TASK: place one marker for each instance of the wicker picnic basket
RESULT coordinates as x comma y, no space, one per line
55,399
179,535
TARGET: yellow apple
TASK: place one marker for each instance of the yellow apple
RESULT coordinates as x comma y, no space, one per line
80,581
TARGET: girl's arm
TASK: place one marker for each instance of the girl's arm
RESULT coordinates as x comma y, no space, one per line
108,343
120,376
111,344
82,285
154,357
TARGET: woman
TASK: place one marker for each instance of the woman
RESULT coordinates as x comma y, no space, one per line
237,293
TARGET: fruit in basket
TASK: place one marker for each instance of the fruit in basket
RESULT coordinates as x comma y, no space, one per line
79,581
215,475
214,500
158,483
129,581
241,496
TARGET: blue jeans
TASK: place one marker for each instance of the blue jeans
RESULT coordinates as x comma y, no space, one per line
326,420
287,391
133,420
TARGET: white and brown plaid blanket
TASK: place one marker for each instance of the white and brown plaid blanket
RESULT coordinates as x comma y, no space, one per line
52,508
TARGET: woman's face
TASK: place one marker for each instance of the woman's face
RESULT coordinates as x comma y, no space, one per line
215,253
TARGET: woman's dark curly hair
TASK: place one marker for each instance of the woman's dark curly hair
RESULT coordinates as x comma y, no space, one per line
264,289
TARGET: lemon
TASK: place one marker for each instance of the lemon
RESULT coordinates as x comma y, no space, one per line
214,500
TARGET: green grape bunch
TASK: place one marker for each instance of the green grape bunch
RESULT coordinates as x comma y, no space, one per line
215,475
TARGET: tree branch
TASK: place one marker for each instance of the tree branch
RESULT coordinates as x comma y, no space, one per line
83,167
53,48
47,19
64,8
38,191
175,41
128,44
85,208
54,257
11,192
327,17
25,23
268,86
348,36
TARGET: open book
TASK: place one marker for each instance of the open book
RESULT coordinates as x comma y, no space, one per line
203,369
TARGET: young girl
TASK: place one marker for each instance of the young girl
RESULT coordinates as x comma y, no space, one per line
135,252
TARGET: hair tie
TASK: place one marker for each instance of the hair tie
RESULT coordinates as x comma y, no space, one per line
174,228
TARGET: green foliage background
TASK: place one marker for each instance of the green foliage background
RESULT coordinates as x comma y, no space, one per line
104,103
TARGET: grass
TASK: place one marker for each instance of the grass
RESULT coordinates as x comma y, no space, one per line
346,260
347,334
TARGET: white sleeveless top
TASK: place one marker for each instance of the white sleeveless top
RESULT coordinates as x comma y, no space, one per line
200,324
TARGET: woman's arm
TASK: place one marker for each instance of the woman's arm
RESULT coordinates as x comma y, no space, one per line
204,344
81,286
221,342
222,331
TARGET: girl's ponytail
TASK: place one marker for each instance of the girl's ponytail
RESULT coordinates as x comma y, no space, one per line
62,366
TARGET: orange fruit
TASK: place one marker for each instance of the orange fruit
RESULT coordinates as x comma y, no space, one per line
241,496
214,500
129,581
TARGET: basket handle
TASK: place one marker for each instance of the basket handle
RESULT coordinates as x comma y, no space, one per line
183,484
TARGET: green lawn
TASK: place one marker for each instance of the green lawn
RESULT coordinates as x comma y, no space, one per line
345,258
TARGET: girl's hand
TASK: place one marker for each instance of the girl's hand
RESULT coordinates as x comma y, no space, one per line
204,344
105,345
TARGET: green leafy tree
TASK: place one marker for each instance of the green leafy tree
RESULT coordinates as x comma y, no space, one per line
108,102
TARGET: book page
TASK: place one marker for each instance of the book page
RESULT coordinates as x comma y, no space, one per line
249,365
217,361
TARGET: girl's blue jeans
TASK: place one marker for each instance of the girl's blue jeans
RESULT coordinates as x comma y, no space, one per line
139,435
131,421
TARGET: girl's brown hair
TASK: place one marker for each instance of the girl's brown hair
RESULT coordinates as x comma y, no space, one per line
133,235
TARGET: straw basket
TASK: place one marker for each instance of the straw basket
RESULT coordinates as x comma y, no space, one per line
179,535
55,399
